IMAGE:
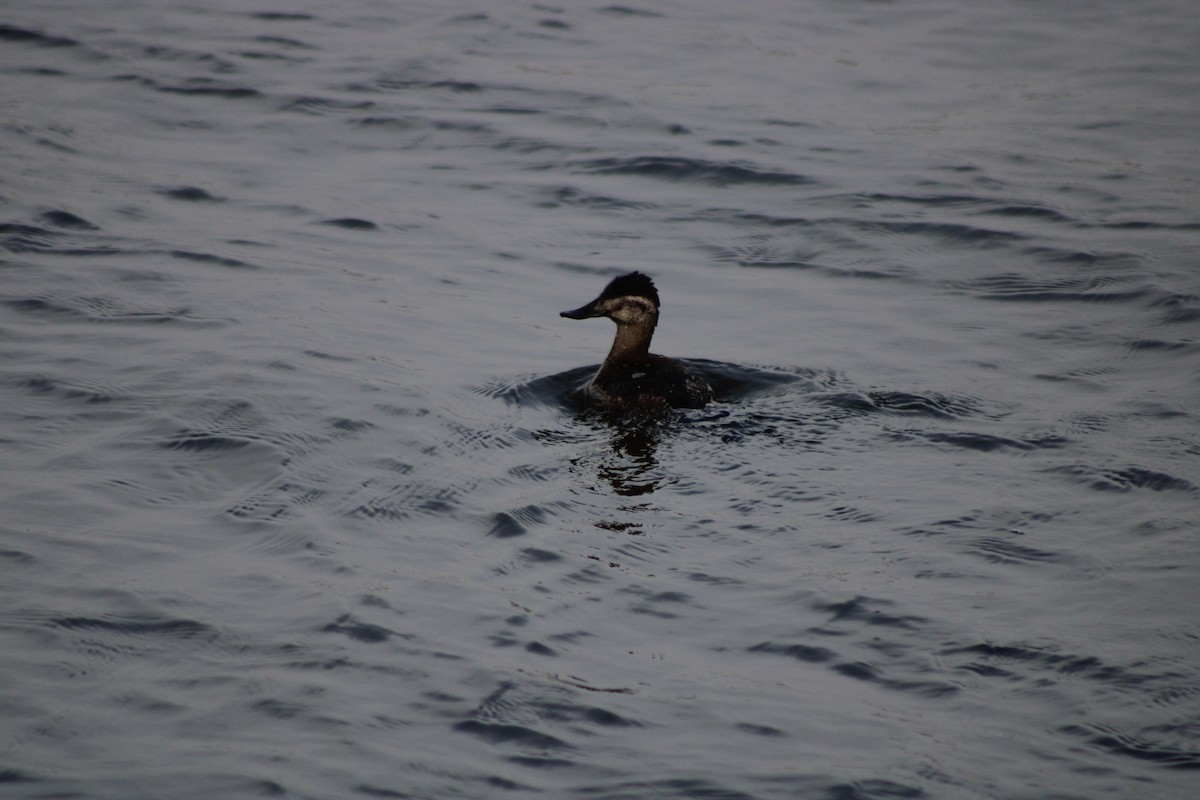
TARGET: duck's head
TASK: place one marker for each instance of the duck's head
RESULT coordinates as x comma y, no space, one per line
628,300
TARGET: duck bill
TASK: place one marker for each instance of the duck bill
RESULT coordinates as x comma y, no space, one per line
592,309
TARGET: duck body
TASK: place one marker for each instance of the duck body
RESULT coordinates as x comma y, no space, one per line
632,379
654,382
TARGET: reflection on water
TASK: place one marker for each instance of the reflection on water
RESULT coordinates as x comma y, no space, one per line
631,469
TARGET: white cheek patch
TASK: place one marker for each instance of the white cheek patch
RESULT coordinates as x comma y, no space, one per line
630,309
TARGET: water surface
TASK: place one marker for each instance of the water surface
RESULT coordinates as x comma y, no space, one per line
297,502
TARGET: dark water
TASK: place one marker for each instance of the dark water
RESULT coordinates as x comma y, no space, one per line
296,502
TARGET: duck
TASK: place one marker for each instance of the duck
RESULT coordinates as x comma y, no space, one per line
632,379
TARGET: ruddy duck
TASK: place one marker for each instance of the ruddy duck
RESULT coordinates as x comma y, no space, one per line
631,377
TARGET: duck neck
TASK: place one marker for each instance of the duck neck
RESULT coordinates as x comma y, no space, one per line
632,341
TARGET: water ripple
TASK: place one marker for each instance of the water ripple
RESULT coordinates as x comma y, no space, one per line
678,168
